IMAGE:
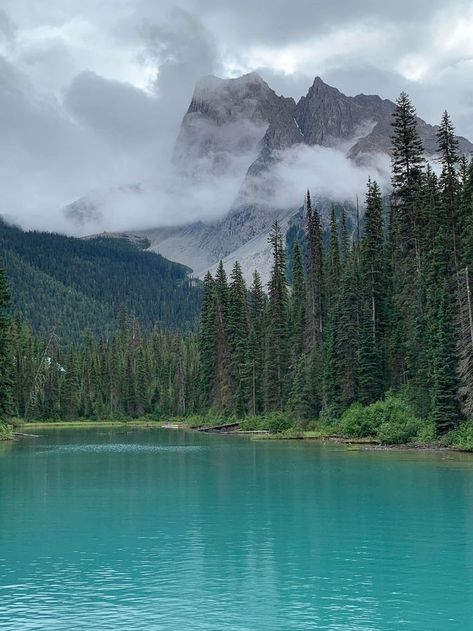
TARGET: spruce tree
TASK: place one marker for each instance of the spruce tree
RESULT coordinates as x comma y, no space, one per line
298,321
238,333
465,342
207,340
256,345
347,327
372,260
449,159
315,311
407,159
299,402
405,236
440,342
372,323
223,392
276,360
332,367
70,390
5,349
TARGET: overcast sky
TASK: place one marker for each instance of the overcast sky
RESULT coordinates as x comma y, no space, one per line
92,93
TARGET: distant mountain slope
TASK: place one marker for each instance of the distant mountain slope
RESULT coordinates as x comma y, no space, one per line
70,285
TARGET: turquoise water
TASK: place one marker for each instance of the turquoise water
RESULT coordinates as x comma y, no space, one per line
173,530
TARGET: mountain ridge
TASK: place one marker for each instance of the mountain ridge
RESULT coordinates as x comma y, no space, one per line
230,120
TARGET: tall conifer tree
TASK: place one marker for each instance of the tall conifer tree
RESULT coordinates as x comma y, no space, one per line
277,327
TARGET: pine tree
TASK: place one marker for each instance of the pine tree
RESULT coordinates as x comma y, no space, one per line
370,377
238,333
405,235
372,322
5,350
440,342
407,160
256,345
333,260
449,159
465,343
332,367
223,392
344,237
347,325
299,403
315,311
277,340
372,259
207,340
465,212
70,390
298,322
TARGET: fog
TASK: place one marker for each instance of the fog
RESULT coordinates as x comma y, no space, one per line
92,97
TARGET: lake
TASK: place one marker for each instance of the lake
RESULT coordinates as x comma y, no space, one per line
174,530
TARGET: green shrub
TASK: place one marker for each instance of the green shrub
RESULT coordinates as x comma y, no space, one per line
462,437
357,422
278,422
6,431
399,431
275,423
391,421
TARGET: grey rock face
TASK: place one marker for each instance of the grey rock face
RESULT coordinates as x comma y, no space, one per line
240,127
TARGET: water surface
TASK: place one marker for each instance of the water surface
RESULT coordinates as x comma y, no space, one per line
173,530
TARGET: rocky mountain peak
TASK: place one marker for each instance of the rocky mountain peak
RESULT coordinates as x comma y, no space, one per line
326,116
242,130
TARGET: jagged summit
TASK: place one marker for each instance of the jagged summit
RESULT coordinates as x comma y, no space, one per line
207,86
240,128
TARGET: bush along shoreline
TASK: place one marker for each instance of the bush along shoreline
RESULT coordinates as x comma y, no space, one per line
6,431
387,423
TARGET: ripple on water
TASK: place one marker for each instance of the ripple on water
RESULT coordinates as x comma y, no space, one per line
121,448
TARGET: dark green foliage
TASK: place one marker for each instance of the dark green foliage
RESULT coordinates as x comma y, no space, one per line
6,431
299,404
277,351
5,349
462,437
207,336
315,312
256,345
405,237
449,185
391,421
407,160
298,320
128,376
72,285
238,335
222,396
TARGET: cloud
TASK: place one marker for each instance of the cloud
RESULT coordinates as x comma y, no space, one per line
92,94
117,111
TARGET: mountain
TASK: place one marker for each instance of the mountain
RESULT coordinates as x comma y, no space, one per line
242,127
70,285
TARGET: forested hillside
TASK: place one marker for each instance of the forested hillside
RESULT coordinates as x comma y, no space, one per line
70,285
375,328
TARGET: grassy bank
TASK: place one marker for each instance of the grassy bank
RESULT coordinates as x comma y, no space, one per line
390,422
21,424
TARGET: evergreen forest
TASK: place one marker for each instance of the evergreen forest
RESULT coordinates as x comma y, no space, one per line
376,323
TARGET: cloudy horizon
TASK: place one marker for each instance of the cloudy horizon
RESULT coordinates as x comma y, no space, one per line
92,96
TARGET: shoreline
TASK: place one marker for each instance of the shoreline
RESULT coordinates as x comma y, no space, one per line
367,444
